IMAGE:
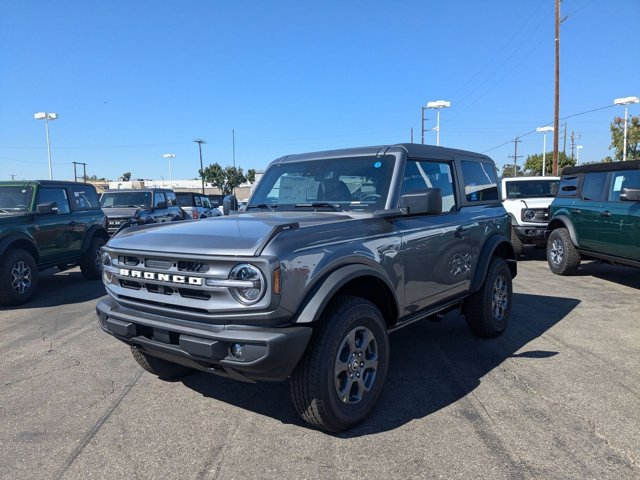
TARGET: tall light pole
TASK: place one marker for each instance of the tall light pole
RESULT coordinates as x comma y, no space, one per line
170,156
46,117
578,148
199,141
437,106
625,101
544,130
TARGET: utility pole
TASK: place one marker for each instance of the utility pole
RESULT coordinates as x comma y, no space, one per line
233,133
515,157
199,141
556,106
564,147
411,134
13,176
573,144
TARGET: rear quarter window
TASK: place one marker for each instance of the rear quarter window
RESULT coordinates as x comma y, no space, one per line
568,186
83,198
480,183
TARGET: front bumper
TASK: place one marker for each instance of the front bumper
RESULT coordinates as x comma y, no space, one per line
531,233
268,354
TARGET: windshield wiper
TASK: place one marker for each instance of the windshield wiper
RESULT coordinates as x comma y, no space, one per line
269,206
318,204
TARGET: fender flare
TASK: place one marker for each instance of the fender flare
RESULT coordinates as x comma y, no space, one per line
94,230
492,245
13,237
560,221
324,290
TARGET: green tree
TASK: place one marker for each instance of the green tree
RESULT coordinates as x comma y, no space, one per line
533,163
126,176
226,179
508,171
633,138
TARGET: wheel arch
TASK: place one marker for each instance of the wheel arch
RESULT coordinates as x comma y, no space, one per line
94,231
355,280
561,221
496,246
21,241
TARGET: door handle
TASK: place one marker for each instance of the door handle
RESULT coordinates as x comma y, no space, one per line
576,210
461,232
606,213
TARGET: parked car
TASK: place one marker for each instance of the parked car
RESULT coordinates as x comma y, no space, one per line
46,224
527,201
140,207
335,251
196,205
596,214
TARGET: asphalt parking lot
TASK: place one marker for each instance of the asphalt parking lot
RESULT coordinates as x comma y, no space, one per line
556,396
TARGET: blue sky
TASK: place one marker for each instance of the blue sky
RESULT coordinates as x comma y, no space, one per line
133,80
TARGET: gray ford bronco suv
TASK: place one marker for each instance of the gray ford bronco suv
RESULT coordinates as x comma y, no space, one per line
336,250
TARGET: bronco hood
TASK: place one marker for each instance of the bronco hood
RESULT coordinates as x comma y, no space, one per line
235,235
120,212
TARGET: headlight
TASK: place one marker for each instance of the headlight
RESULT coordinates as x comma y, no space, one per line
254,280
528,214
106,258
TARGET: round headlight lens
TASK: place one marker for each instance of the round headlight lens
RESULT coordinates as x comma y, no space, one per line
528,214
105,258
252,275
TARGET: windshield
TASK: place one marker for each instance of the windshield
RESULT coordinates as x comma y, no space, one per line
532,188
125,199
355,184
15,198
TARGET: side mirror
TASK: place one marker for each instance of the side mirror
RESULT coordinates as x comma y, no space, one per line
229,204
426,201
47,208
161,205
630,195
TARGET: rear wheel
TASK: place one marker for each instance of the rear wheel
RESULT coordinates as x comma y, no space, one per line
487,311
91,264
562,256
18,277
158,366
339,379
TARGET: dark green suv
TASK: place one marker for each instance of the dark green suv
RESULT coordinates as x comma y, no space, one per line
47,224
596,214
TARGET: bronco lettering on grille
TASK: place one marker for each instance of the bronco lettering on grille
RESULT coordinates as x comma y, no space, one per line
161,277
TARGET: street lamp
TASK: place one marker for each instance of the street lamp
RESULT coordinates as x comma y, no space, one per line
437,106
199,141
578,148
170,156
544,130
46,117
625,101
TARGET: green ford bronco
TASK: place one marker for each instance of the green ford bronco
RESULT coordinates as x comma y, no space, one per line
335,250
43,224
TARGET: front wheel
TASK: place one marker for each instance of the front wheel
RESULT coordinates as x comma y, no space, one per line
518,246
562,256
487,311
339,379
18,277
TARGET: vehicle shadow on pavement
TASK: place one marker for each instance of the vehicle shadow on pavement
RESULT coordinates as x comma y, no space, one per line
432,365
627,276
62,288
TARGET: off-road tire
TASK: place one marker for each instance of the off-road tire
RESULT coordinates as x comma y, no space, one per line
487,311
158,366
562,256
518,246
90,263
323,370
18,277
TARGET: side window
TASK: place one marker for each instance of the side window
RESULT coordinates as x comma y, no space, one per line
172,200
205,202
623,179
158,199
419,175
83,198
480,184
593,186
568,186
57,195
198,201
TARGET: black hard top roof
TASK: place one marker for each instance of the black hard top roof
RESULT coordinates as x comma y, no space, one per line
602,167
47,183
159,189
413,150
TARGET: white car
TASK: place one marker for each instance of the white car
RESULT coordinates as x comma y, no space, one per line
527,201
